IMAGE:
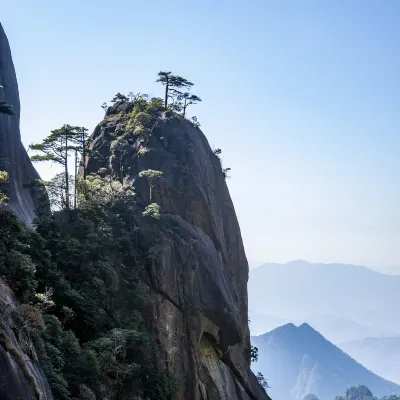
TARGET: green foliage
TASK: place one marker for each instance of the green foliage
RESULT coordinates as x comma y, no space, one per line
171,83
254,354
119,142
195,122
262,381
225,171
152,177
152,210
119,97
56,148
3,181
100,346
187,99
17,266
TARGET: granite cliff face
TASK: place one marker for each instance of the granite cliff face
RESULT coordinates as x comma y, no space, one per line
198,275
13,157
20,374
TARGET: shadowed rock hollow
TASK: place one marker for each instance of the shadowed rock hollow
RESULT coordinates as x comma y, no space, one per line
13,157
199,273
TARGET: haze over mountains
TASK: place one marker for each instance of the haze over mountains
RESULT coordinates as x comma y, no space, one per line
381,355
298,361
344,302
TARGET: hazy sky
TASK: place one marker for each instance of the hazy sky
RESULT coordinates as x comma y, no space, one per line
303,98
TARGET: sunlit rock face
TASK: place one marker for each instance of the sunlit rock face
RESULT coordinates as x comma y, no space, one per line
198,273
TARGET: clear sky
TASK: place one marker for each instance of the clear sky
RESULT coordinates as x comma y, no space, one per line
303,98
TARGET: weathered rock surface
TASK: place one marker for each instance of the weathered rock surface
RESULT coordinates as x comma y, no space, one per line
13,157
21,377
199,273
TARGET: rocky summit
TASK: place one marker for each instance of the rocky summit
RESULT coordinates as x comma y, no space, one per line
199,273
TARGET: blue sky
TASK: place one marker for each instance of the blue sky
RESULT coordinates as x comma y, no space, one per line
303,98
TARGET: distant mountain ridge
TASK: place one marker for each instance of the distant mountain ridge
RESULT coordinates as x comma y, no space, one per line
302,291
381,355
297,361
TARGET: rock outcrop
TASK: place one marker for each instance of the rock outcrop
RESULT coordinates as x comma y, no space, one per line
13,157
198,274
20,374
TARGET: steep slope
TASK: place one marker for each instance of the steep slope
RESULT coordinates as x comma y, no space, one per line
301,291
13,157
381,355
198,274
298,361
20,375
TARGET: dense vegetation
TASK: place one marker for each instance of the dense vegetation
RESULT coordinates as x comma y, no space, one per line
79,279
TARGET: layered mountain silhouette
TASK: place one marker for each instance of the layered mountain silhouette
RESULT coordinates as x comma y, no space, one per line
344,302
381,355
297,361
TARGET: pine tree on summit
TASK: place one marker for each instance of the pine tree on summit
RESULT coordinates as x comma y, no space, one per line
172,82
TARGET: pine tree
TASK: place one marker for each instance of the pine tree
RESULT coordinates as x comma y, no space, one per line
172,82
57,148
119,97
187,99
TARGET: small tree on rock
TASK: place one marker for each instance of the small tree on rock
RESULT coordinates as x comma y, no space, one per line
262,381
152,177
187,100
119,97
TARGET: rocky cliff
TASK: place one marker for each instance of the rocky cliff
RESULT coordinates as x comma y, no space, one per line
13,157
198,274
20,374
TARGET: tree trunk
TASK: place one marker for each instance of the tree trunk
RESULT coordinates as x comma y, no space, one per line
166,95
83,154
66,172
184,109
76,175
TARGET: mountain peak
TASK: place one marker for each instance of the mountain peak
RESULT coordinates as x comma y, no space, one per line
298,261
305,326
299,360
